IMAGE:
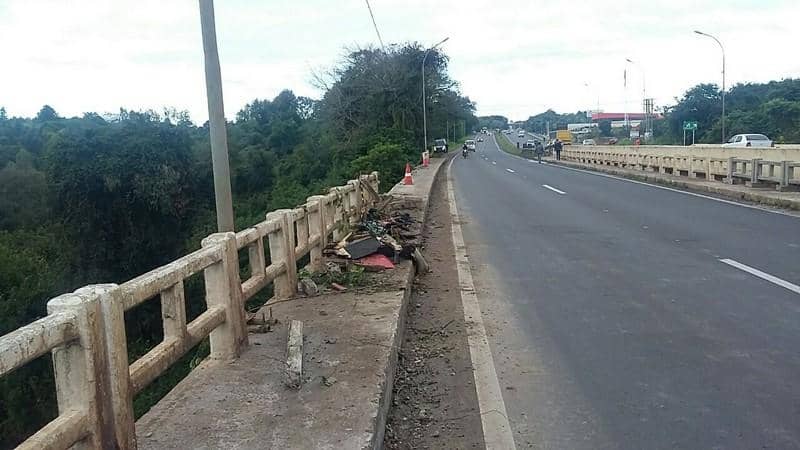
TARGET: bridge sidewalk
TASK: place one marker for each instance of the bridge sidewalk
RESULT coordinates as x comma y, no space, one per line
351,342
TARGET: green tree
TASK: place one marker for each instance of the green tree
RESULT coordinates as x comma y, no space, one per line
46,114
605,127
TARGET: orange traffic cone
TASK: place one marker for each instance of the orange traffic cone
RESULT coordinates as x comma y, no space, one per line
407,179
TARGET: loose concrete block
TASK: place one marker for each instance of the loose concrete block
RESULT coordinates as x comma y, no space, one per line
294,355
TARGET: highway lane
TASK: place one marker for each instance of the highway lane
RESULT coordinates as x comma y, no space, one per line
615,324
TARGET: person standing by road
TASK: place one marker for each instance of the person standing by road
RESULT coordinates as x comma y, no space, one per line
557,146
538,148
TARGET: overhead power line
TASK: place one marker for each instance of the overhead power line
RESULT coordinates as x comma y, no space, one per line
372,16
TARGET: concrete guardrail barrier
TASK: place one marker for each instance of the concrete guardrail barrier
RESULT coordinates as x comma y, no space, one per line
85,330
777,167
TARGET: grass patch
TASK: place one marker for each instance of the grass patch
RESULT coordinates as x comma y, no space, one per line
507,146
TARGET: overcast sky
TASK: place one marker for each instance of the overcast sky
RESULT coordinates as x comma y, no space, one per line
515,58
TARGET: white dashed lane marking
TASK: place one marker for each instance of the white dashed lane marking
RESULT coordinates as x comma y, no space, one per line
547,186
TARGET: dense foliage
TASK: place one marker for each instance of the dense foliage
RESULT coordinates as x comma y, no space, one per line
493,122
769,108
103,199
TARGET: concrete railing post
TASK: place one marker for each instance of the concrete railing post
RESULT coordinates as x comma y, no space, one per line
355,201
755,171
301,225
224,288
347,211
731,169
316,227
335,214
119,397
784,173
281,250
375,182
79,369
255,255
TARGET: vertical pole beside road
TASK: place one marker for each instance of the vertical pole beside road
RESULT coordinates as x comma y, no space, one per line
216,119
424,111
723,78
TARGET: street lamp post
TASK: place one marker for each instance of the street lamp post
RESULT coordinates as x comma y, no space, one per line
424,111
723,78
216,120
644,91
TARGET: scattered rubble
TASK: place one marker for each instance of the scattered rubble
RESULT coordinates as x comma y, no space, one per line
308,287
261,324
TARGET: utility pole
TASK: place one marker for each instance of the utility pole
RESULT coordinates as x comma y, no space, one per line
424,112
216,120
723,78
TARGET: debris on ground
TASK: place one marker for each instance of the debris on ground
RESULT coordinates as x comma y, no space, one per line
328,381
393,235
362,247
419,262
338,287
375,262
261,324
307,286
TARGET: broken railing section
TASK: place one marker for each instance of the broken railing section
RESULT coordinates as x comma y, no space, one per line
85,330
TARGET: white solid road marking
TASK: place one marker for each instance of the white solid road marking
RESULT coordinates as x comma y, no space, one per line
765,276
509,170
497,432
547,186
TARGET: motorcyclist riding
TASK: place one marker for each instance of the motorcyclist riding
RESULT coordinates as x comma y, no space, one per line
464,151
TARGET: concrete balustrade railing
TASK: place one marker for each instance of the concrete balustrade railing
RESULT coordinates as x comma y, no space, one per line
85,331
748,166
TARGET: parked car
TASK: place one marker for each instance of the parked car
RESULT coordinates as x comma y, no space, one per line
749,140
440,146
589,142
470,144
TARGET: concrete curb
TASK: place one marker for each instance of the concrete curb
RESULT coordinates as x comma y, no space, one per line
721,190
399,332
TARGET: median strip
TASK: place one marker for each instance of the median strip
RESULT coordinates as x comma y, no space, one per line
547,186
763,275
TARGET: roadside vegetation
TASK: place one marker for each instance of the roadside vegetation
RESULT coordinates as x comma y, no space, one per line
97,199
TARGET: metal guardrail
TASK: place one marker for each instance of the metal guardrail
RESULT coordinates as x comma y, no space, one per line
85,330
755,172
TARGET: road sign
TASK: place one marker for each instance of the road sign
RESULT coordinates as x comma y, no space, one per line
689,125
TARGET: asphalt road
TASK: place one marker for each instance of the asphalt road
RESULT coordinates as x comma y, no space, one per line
613,320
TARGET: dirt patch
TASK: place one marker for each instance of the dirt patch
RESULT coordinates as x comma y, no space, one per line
434,401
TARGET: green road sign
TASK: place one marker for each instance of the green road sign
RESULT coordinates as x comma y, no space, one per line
689,125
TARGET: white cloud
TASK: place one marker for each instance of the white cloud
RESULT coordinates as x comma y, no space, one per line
516,58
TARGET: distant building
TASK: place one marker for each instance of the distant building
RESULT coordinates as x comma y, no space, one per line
596,117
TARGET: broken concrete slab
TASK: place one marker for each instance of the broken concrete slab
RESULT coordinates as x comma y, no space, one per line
294,355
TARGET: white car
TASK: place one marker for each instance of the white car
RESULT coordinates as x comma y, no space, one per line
470,144
521,134
589,142
749,140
